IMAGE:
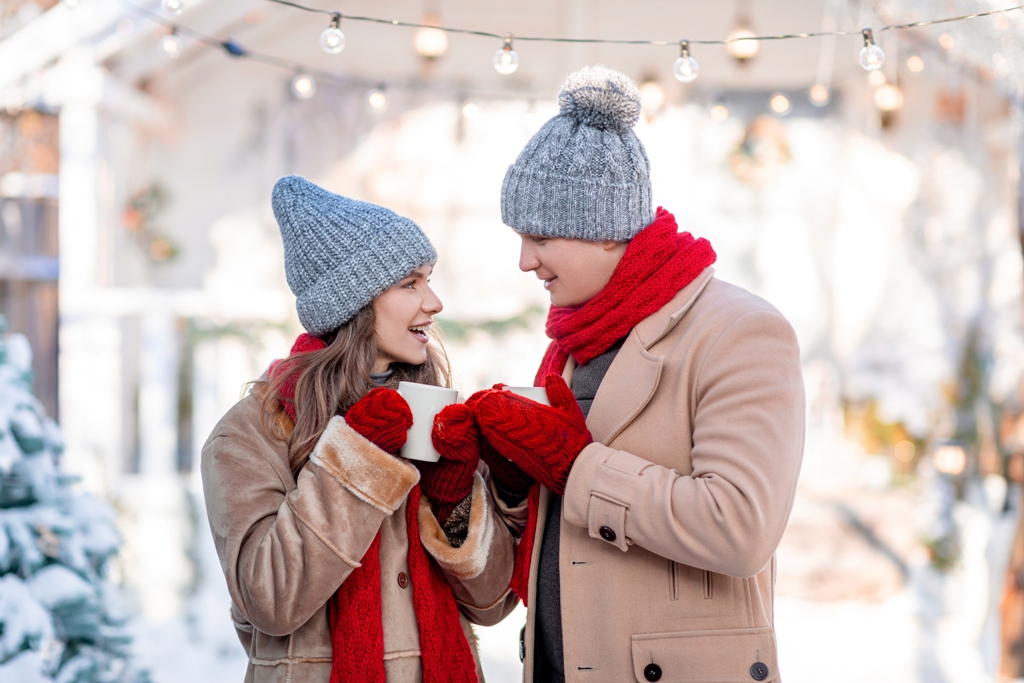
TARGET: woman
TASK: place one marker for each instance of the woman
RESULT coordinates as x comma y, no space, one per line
338,569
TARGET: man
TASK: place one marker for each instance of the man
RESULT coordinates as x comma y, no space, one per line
662,474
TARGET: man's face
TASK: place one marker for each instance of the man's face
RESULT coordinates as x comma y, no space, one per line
573,271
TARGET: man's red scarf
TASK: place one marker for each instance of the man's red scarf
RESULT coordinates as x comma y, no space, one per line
355,612
657,263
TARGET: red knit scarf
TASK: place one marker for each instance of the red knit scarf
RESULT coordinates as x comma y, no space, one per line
658,263
355,612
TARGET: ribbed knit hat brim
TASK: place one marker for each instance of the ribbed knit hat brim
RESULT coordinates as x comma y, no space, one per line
340,253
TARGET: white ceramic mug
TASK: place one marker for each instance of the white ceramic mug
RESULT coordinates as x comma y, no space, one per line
538,394
425,401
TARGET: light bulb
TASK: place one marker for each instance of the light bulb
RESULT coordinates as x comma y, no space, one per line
303,86
686,68
171,45
779,104
915,64
430,42
740,45
377,100
876,78
470,110
946,41
652,96
506,61
889,97
332,40
173,6
871,56
819,95
719,113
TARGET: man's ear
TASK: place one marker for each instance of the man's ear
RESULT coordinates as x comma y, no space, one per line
609,245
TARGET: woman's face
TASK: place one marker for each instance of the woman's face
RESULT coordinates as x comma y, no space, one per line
404,312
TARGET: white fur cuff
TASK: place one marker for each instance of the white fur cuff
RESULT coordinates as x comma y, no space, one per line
469,560
375,477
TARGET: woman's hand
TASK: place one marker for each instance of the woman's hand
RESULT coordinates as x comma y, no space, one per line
543,441
449,481
381,417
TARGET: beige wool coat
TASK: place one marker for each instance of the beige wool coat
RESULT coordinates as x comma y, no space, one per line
671,518
286,544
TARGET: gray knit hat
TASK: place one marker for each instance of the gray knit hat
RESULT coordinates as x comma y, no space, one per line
585,174
339,253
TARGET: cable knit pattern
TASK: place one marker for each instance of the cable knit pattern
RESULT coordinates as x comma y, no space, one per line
657,264
383,418
543,440
585,174
449,481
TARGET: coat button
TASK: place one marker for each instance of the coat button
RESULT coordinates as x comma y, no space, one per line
609,535
652,672
759,671
403,582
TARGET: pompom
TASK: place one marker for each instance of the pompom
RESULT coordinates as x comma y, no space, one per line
600,97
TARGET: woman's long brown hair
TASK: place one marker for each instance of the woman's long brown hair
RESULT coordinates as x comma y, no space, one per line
330,380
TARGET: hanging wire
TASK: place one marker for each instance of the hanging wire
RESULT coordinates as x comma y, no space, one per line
612,41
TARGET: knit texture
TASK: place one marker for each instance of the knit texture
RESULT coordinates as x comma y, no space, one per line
585,174
304,343
339,253
657,263
449,481
542,440
357,630
355,610
382,417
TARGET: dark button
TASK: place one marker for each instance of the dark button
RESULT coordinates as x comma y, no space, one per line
403,582
652,672
609,535
759,671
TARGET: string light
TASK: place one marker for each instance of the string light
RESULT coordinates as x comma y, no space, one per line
652,96
915,64
332,40
719,113
889,97
876,78
946,41
506,61
470,110
780,104
739,43
819,95
686,67
430,42
303,86
871,56
377,100
173,6
171,44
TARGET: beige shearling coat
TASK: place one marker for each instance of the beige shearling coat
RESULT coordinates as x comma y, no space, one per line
671,518
287,543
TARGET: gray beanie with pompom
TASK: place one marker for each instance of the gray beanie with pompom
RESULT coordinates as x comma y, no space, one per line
585,174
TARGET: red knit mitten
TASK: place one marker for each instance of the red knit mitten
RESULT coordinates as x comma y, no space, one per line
543,440
509,477
449,481
381,417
